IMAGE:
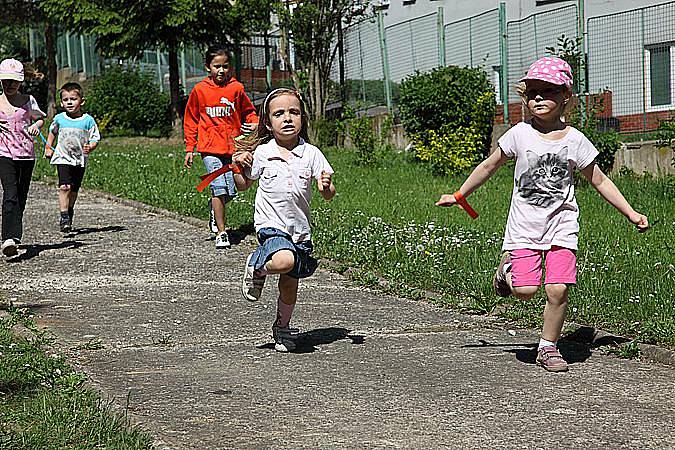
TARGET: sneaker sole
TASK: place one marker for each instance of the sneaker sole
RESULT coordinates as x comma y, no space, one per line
553,369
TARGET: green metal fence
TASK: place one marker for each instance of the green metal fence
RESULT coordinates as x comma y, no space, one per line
363,71
412,46
529,37
636,66
630,55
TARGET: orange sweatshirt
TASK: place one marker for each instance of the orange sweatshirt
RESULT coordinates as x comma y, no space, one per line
214,115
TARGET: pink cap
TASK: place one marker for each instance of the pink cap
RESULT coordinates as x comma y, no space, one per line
11,69
550,69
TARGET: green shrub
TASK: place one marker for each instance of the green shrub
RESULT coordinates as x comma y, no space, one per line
452,149
129,102
607,143
449,150
447,96
370,147
324,132
666,133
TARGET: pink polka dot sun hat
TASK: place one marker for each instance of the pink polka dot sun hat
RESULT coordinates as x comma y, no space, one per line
11,69
550,69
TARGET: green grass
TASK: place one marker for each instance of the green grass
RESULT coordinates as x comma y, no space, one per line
45,404
384,222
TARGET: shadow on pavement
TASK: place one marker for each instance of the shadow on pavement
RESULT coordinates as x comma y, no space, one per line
308,341
238,235
89,230
33,250
572,348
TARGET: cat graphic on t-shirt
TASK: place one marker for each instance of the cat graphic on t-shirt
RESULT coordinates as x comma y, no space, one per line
546,180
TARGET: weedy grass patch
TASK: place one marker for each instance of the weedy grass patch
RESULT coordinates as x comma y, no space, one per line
383,222
44,403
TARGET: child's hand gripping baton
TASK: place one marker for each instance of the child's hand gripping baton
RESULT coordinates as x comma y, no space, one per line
209,177
461,201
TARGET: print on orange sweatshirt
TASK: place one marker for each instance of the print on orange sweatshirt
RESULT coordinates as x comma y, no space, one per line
214,115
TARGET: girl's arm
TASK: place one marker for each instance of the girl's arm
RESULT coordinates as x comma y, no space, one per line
243,159
326,186
34,129
608,190
241,181
191,126
480,175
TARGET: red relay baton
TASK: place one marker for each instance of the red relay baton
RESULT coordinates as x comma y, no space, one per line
461,201
209,177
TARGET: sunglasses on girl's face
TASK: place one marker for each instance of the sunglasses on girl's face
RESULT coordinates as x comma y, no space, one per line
546,92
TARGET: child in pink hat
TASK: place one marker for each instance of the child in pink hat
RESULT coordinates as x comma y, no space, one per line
20,121
543,226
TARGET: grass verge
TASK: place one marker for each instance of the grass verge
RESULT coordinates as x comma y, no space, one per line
383,223
44,403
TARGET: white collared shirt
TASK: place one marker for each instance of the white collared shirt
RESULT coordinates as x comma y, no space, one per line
285,187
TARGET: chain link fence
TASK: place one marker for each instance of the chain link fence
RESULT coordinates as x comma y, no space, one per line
630,56
363,73
635,66
529,37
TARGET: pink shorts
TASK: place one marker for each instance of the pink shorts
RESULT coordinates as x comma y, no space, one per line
561,266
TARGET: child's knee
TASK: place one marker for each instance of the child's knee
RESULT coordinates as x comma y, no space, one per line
525,292
284,260
557,293
65,188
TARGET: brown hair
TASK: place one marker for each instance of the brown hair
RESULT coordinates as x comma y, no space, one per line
72,87
30,73
263,133
521,89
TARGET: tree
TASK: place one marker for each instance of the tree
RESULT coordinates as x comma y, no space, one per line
26,13
127,27
313,27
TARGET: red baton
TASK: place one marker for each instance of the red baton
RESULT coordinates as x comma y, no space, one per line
461,201
209,177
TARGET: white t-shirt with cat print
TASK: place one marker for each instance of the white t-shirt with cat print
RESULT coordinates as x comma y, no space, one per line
543,209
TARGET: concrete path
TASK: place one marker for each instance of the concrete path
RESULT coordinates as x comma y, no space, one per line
152,313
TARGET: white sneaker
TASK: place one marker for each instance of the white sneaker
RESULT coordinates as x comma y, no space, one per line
9,248
222,241
284,338
212,220
251,286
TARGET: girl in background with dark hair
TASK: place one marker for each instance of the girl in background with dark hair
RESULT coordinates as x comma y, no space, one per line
218,110
279,156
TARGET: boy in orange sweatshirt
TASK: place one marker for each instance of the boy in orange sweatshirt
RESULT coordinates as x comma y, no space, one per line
217,111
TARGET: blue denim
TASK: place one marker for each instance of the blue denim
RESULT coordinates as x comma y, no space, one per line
272,240
224,184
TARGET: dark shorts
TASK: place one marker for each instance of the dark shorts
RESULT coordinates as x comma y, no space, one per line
272,240
70,175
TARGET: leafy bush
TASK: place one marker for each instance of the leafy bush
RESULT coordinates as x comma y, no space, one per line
449,150
129,102
452,149
446,96
370,147
607,143
666,133
324,132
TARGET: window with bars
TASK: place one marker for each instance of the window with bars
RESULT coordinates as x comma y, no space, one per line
660,65
661,75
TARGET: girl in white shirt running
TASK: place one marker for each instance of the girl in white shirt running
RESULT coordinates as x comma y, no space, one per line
284,164
543,218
